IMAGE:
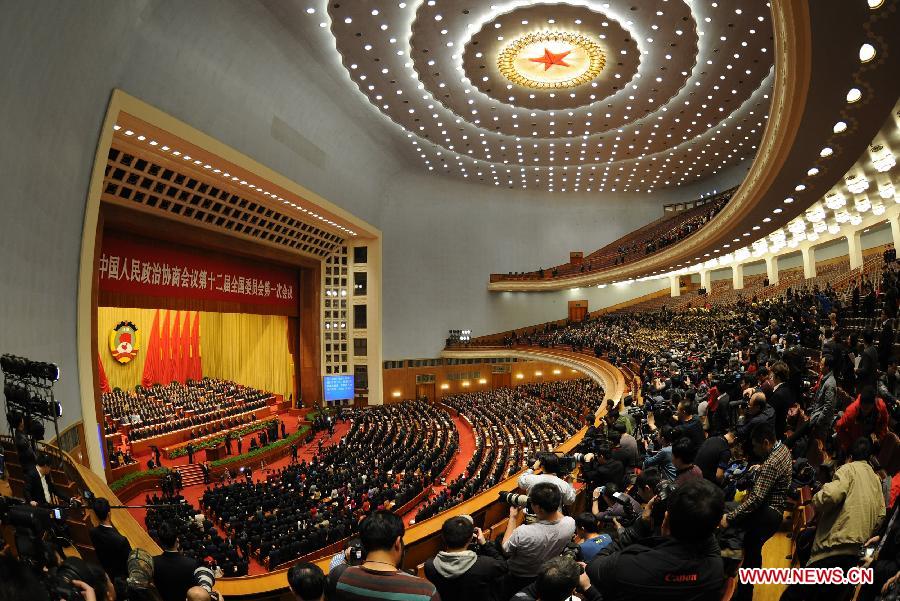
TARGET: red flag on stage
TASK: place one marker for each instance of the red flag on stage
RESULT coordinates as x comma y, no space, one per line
175,348
184,348
104,382
151,363
165,354
196,367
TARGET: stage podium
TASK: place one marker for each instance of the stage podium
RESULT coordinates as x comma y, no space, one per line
215,453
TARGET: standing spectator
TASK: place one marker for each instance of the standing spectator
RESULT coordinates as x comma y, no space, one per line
173,572
190,453
761,512
380,576
849,508
885,341
463,573
111,547
822,409
868,362
781,398
867,417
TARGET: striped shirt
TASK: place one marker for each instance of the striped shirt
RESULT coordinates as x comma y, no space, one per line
358,583
771,485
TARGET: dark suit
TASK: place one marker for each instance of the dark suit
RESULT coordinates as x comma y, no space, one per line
781,400
112,550
173,575
868,365
34,491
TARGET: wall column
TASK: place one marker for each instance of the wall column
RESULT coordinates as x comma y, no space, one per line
706,279
809,261
772,269
854,249
675,283
894,220
737,276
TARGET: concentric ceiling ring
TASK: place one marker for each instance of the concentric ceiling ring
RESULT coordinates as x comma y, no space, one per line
693,102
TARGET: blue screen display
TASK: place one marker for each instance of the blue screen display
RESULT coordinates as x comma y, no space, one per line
338,388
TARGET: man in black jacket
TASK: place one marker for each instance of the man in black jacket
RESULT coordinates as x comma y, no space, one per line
173,573
111,547
463,573
868,362
885,341
600,468
39,489
781,397
683,564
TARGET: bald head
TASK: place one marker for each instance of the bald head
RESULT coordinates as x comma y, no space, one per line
757,402
198,593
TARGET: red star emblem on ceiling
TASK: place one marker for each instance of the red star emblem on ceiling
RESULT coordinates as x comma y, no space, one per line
549,59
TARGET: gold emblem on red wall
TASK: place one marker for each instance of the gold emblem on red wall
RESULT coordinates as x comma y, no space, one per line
124,342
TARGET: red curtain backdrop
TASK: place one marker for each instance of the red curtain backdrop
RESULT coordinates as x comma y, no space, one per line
152,363
104,382
196,367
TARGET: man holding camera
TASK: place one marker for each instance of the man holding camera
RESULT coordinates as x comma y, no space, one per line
761,512
548,463
471,568
528,546
684,563
559,579
173,572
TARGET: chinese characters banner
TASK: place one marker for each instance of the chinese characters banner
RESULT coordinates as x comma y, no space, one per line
136,266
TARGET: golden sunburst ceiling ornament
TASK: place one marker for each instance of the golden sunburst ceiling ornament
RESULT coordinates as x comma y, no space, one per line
551,60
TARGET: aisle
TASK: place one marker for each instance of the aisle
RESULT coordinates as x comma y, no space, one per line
460,461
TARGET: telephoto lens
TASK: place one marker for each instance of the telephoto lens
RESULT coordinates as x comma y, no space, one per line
514,499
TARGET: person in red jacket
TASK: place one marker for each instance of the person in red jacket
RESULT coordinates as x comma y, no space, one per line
865,416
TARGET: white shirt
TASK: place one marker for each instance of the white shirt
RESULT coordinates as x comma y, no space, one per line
47,498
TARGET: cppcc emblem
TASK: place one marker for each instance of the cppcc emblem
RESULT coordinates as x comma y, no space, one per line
124,342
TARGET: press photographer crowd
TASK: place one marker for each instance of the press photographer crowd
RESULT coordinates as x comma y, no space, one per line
747,416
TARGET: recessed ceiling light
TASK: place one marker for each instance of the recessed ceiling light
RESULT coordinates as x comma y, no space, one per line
853,95
839,127
866,53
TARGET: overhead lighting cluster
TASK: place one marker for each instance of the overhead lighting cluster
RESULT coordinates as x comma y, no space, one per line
684,91
224,174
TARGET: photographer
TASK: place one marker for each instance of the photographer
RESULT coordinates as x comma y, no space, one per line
558,580
760,513
111,547
471,568
849,509
662,459
689,425
758,412
599,467
548,463
684,563
530,545
618,504
821,411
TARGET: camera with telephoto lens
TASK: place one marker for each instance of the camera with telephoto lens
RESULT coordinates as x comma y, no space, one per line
206,579
513,499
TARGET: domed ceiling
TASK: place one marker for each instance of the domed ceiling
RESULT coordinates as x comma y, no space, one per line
563,96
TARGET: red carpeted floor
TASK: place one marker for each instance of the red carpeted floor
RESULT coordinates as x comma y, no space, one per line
463,456
193,493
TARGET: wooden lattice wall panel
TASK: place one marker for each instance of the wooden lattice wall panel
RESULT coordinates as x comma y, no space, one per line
179,194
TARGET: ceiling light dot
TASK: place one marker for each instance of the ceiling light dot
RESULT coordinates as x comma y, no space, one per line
853,95
866,53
